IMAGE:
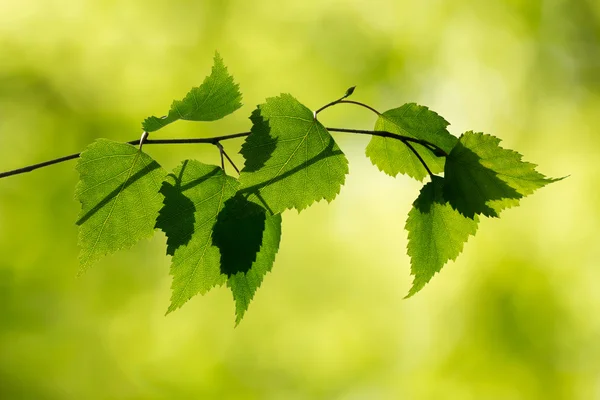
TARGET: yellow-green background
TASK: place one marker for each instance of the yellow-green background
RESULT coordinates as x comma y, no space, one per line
516,317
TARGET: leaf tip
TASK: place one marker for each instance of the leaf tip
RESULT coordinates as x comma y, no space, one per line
172,307
217,58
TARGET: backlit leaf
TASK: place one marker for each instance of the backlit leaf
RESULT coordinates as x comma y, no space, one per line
291,159
436,233
484,178
393,157
195,265
217,97
118,192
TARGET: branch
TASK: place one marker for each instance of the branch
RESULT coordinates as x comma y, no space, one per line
221,151
215,140
342,101
430,146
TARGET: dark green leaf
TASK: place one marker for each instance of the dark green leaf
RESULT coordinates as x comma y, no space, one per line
217,97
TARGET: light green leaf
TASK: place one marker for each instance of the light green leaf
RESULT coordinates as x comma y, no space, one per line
436,233
484,178
291,159
393,157
195,265
119,195
217,97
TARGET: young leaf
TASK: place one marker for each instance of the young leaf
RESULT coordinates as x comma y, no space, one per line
217,97
393,157
483,178
304,165
436,233
118,192
195,265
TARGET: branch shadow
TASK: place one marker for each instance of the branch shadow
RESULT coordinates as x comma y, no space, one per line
132,179
325,153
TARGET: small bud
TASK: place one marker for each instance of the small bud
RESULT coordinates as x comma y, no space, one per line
349,91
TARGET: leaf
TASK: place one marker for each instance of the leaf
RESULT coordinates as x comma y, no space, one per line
291,159
217,97
248,239
195,265
393,157
436,233
118,192
483,178
176,218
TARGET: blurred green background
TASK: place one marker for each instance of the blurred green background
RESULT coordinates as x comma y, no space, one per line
516,317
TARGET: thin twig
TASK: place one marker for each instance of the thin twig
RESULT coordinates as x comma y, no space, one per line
430,146
143,139
343,100
221,151
358,103
40,165
231,162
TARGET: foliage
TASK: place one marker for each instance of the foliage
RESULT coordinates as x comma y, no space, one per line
223,230
393,157
217,97
118,190
302,163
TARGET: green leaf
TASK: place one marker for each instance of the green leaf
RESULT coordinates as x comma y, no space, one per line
291,159
436,233
217,97
195,265
393,157
248,240
243,285
177,216
483,178
118,192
